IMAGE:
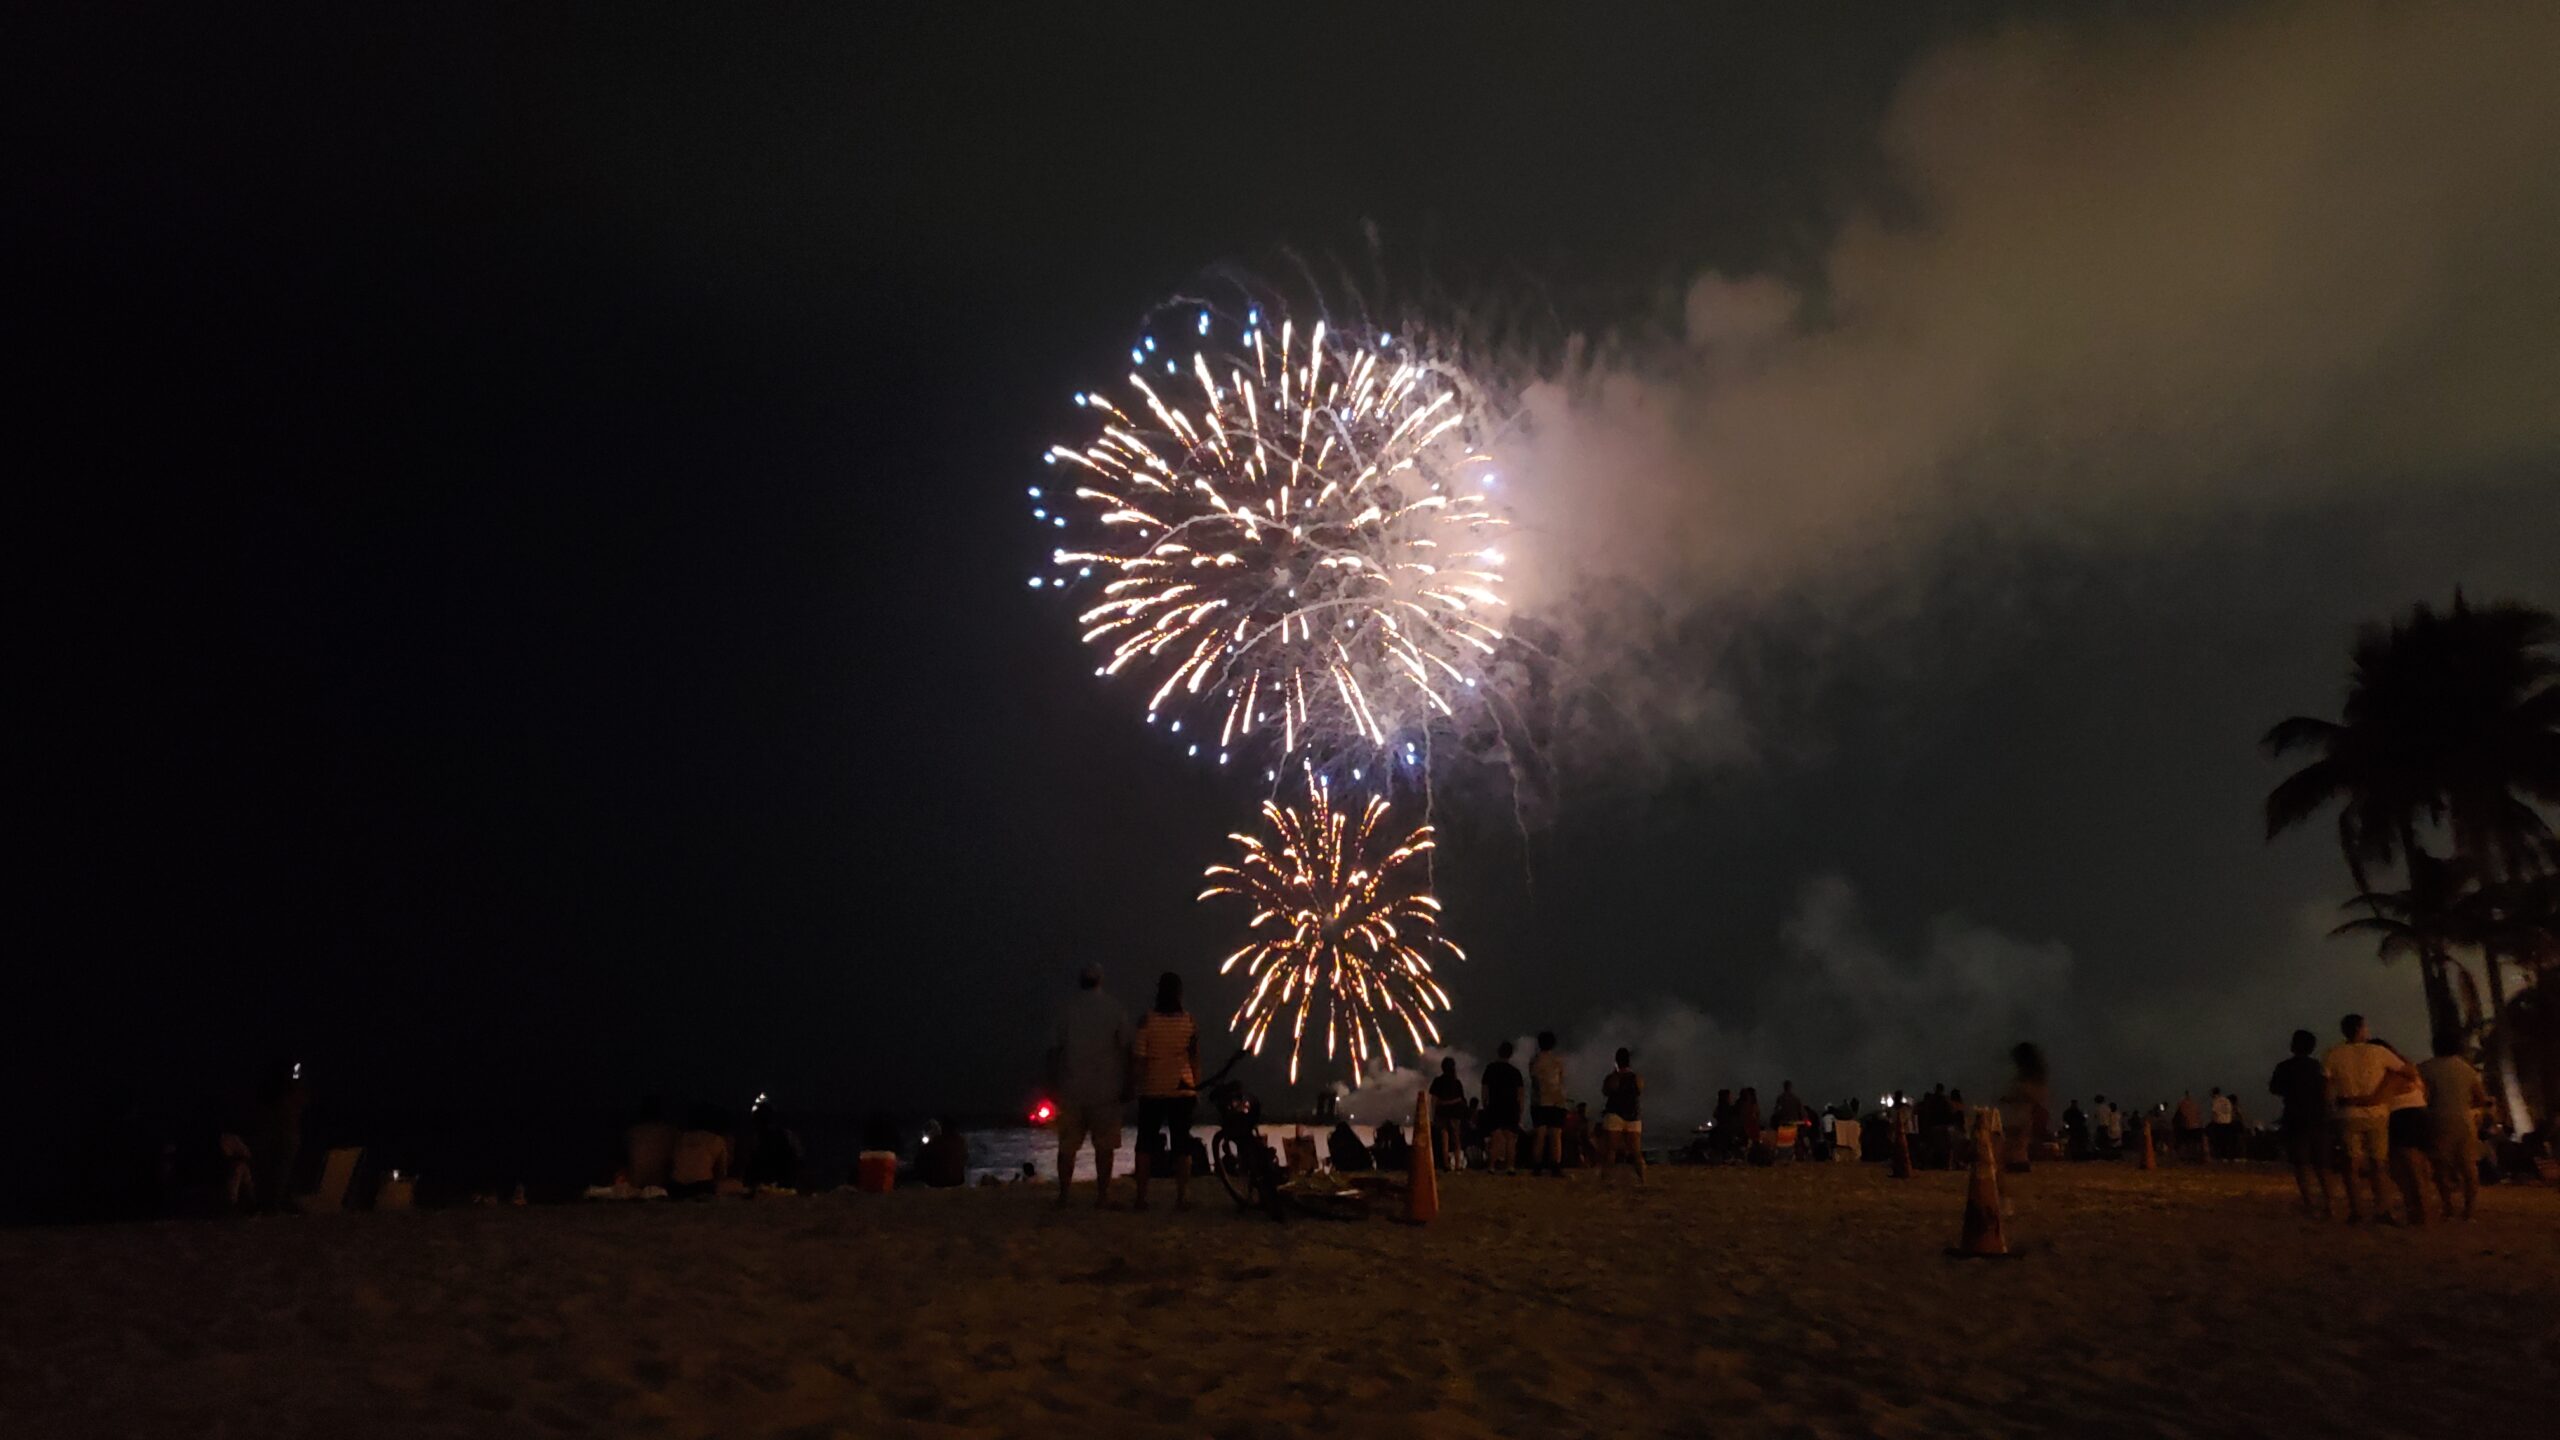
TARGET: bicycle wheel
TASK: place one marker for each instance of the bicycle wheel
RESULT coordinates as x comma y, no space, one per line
1235,1170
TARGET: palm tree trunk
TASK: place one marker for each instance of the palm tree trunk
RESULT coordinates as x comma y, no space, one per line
2441,1012
2501,1056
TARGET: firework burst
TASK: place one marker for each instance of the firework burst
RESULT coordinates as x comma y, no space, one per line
1284,536
1351,931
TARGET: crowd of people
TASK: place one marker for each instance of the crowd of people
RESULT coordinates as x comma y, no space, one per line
2357,1115
1099,1064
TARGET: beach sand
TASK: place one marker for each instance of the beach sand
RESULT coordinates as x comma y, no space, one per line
1808,1300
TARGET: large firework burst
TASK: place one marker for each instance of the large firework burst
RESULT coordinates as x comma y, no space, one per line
1353,931
1285,537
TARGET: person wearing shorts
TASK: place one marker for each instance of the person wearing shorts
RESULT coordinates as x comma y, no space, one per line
1622,1118
1546,1108
2359,1072
1167,1059
2455,1098
1089,1074
2304,1126
2412,1160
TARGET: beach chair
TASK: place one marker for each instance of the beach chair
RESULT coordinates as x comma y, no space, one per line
1781,1141
1844,1140
335,1176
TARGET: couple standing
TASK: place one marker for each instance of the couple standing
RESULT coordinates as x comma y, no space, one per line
1096,1063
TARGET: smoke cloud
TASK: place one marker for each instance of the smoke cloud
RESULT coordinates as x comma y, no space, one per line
1847,1013
2128,276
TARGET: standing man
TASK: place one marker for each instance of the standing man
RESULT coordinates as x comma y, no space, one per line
1546,1108
2358,1072
2455,1098
1622,1118
1089,1073
2220,1142
2188,1127
1449,1114
1502,1087
2304,1127
2110,1126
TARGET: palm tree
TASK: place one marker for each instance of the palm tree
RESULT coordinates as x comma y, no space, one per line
2440,912
2451,721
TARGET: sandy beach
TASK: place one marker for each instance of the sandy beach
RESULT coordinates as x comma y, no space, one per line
1802,1301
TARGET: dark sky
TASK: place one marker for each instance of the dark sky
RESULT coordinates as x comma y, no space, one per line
528,584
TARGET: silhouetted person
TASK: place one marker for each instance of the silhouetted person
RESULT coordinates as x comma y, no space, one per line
1937,1128
776,1155
1503,1087
1389,1149
1448,1114
1788,1108
943,1160
701,1159
2455,1100
1546,1108
2303,1127
1622,1118
2026,1106
275,1141
1344,1149
649,1145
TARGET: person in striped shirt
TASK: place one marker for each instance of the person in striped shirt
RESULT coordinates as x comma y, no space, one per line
1167,1061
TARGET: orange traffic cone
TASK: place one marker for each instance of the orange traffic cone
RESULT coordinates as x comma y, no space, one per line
1422,1192
1901,1148
2148,1163
1983,1231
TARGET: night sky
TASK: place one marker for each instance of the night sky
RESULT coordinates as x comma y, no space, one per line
526,595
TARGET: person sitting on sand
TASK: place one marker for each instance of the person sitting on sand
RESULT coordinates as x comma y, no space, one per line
1581,1137
942,1161
1622,1116
2357,1071
1448,1115
1167,1056
2304,1125
701,1159
1546,1108
1388,1148
1503,1086
1344,1150
649,1146
2455,1100
1089,1074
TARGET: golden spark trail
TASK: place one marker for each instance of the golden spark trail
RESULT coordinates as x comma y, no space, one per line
1352,930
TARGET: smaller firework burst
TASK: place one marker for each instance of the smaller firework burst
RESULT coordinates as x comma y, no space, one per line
1350,930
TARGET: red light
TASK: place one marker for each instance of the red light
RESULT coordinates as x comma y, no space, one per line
1043,1113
